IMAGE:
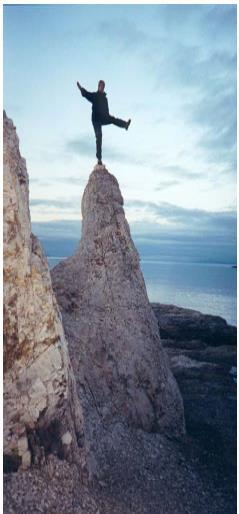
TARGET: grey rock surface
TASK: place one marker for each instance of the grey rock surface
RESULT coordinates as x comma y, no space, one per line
114,342
40,399
205,369
180,324
140,471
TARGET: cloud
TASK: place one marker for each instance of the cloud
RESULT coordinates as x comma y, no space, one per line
176,15
58,229
213,22
71,203
70,180
125,33
85,145
177,61
199,68
211,105
216,115
153,240
192,69
165,184
34,180
219,24
170,218
181,223
180,172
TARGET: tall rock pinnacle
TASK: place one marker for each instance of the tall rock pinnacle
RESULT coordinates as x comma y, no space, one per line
42,413
113,334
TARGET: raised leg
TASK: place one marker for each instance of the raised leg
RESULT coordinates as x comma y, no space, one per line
115,121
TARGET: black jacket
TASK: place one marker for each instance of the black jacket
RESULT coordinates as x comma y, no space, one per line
100,108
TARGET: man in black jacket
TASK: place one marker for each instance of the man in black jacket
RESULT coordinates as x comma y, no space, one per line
101,115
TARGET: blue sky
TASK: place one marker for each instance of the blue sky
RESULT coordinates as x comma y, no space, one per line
172,69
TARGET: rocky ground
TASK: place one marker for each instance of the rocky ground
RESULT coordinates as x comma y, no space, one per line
112,405
149,473
202,352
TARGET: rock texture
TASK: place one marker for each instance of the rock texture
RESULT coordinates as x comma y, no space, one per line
203,359
42,412
122,374
113,335
146,472
187,324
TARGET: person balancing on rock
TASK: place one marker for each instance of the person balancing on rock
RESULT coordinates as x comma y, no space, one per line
101,115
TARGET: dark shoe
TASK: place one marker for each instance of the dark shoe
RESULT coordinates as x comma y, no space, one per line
128,124
99,162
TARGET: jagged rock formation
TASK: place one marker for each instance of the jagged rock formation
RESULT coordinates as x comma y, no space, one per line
114,341
113,335
148,473
42,413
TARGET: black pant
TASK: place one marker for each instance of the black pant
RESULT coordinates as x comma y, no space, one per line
98,131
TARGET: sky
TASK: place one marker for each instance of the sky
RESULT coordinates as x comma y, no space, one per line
172,70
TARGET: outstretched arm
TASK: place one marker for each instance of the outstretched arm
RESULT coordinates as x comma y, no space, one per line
89,96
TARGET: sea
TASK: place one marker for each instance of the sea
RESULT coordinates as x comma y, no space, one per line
207,287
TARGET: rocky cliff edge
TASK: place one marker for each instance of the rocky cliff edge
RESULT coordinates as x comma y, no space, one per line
42,412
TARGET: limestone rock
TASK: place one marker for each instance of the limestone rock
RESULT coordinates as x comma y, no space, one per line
40,399
113,334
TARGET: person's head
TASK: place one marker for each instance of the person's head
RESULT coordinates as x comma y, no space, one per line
101,86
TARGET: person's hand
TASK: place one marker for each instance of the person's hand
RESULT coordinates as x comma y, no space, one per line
78,84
